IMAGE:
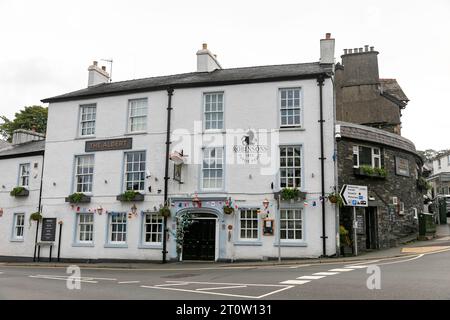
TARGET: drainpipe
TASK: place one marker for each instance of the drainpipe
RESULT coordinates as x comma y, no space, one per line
39,207
166,172
320,83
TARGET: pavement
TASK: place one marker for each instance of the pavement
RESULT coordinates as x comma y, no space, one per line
410,249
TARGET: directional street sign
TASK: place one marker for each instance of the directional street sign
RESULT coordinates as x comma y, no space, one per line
354,196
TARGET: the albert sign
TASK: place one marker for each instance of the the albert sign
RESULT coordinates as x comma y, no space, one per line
354,196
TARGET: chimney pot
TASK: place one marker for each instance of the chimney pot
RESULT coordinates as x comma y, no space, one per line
103,68
345,51
366,48
328,36
350,50
95,63
355,50
371,48
360,49
205,46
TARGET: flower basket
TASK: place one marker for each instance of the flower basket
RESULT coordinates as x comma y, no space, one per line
335,198
130,195
36,216
164,211
228,210
78,197
19,192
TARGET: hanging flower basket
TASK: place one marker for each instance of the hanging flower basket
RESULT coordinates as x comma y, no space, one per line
335,198
36,216
228,210
164,211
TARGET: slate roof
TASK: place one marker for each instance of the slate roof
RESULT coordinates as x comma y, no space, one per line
3,144
393,89
27,148
370,134
200,79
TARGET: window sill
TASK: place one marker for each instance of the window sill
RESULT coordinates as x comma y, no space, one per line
291,244
84,137
111,245
90,245
16,240
135,133
150,246
293,128
213,131
248,243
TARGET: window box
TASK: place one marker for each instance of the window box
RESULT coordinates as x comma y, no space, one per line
130,196
290,194
366,171
19,192
78,198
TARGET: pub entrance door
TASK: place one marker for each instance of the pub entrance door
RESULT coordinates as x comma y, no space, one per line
200,240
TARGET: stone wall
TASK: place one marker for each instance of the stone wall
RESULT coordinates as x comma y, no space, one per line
390,224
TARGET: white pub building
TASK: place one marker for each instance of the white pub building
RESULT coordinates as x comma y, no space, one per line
218,164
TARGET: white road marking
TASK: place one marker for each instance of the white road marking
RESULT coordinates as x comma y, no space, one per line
171,284
325,273
356,267
310,277
219,288
227,283
443,239
340,270
59,278
295,281
220,293
414,258
125,282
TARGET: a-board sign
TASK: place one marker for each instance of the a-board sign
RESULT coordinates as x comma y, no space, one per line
48,232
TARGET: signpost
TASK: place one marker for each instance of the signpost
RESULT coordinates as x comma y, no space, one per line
354,196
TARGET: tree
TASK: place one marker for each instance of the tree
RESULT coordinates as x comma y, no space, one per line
30,118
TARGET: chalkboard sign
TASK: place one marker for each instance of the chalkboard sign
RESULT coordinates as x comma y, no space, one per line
360,229
48,232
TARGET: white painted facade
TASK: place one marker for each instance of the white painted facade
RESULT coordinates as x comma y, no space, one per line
10,243
241,104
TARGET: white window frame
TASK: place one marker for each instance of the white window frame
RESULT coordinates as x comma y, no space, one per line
296,110
373,156
156,222
292,168
216,104
247,229
85,122
123,232
17,226
82,228
140,172
286,229
134,103
26,176
218,163
90,166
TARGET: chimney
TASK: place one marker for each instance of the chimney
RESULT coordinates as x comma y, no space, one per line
327,50
22,136
360,66
97,75
206,61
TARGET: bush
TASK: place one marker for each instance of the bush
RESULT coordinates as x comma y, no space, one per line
164,211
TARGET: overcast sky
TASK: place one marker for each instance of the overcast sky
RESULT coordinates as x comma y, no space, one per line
46,46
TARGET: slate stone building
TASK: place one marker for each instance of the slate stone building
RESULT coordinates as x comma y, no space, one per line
371,152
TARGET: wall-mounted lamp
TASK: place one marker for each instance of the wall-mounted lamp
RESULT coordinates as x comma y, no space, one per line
133,209
100,210
266,203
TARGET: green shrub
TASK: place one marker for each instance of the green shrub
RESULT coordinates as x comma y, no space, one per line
289,193
76,197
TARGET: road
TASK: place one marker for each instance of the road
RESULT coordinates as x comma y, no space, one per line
417,276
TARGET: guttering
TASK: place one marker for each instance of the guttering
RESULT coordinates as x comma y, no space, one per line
166,171
320,83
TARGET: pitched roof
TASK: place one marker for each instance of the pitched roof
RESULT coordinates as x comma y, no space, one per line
393,89
3,144
23,149
200,79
